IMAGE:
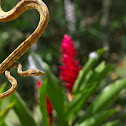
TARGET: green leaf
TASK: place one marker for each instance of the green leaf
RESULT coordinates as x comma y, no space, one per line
78,102
54,90
98,76
106,98
2,88
112,123
42,100
6,123
100,72
92,84
4,113
97,119
85,70
24,114
100,67
56,96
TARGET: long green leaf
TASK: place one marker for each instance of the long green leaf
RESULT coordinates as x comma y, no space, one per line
100,72
42,100
6,123
85,70
54,90
4,113
78,101
56,96
106,98
24,114
2,88
98,118
112,123
75,105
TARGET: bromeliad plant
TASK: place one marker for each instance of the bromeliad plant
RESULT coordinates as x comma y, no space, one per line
82,84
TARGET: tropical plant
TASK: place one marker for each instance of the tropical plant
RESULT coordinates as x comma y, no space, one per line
81,110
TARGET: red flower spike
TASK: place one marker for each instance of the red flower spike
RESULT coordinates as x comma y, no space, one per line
48,104
49,110
70,68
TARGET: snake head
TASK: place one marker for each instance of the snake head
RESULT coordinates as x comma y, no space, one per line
35,72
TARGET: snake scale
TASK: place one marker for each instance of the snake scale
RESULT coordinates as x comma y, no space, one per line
11,61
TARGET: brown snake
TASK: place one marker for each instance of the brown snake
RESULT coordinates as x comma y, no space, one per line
11,61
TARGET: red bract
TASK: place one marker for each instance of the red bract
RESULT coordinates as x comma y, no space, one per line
39,83
49,109
48,104
70,67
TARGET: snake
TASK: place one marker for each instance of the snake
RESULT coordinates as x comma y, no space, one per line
11,61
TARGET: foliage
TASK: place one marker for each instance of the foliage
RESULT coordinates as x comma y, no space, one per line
90,34
75,112
3,113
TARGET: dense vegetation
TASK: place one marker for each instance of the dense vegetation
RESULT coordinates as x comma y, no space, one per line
92,24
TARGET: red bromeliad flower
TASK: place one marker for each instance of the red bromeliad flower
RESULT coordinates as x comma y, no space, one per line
48,104
70,68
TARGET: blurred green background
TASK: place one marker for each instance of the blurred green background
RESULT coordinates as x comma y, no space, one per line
92,24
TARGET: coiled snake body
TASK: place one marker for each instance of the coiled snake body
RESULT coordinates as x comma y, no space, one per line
11,60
